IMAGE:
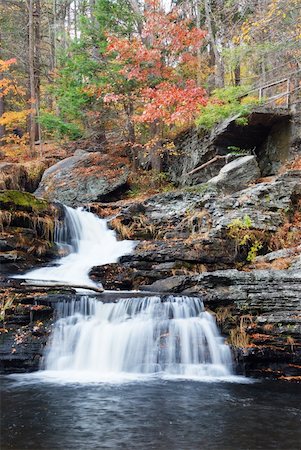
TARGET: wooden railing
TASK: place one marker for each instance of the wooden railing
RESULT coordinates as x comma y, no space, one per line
282,93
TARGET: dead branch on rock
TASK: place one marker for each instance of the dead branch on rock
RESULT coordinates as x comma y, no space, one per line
203,166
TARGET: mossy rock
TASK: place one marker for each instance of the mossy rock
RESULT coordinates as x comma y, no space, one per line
16,200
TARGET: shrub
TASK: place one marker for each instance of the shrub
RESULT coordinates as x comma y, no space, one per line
57,128
224,103
245,237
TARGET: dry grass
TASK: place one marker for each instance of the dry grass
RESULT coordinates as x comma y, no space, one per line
289,234
224,314
238,338
124,231
277,264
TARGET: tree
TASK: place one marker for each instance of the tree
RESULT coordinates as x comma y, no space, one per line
149,72
12,96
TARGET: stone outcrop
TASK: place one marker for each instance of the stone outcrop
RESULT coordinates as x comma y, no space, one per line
27,226
21,177
189,231
237,174
185,247
269,134
259,311
84,177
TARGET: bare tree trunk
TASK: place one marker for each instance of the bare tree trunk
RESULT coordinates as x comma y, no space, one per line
138,13
2,109
129,111
219,67
75,19
37,64
2,129
199,53
155,154
31,62
237,75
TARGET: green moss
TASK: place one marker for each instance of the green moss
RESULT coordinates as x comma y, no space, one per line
15,200
200,188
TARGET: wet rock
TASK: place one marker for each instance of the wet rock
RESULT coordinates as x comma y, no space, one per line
84,178
259,311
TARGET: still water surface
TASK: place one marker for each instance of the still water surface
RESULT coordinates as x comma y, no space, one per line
157,414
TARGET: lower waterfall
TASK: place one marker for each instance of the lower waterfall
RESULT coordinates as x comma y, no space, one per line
166,336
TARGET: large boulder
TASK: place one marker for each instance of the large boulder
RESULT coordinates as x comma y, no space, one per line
236,175
84,178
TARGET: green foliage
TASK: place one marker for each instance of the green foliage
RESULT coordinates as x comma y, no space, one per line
84,72
237,150
241,231
225,103
58,128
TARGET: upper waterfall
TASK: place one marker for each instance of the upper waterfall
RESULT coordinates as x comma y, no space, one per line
89,242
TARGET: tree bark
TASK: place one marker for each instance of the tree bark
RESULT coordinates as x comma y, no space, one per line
2,108
37,64
219,66
31,63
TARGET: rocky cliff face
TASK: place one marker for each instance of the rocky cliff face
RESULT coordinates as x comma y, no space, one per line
190,240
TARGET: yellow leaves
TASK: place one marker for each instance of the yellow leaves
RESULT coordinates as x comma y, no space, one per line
5,65
14,146
12,119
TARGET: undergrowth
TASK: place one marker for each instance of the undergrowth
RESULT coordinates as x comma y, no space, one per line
247,239
224,103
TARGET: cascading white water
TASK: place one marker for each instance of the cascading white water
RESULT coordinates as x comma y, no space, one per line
170,336
89,242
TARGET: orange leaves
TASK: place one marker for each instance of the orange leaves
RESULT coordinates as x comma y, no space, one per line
137,60
7,85
5,65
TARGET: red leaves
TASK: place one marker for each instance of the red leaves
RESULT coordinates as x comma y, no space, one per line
162,61
172,104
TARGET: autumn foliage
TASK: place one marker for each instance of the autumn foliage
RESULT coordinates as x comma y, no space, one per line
16,117
152,67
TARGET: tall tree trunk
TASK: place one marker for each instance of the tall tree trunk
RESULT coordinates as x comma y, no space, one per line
75,19
219,66
129,111
237,75
37,63
31,62
2,129
155,153
199,52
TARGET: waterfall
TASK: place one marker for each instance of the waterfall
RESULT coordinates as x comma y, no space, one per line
166,336
89,243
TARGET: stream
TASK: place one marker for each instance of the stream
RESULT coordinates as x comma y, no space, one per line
143,373
157,414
